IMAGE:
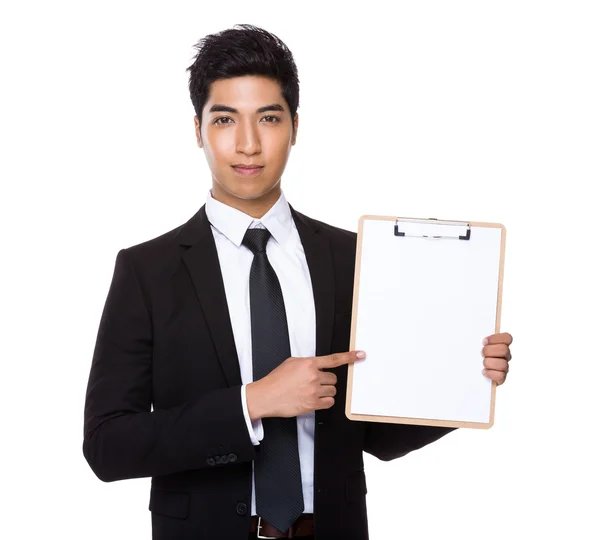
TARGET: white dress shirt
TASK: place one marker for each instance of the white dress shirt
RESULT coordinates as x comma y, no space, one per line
286,255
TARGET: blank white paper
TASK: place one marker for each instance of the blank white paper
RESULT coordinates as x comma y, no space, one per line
424,307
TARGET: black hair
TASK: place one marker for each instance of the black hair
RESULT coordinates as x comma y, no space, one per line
242,50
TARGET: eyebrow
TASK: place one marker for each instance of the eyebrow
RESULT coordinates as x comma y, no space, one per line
226,108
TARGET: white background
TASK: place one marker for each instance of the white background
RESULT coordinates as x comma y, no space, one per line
476,110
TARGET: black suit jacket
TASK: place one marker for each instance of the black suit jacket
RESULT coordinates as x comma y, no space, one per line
165,342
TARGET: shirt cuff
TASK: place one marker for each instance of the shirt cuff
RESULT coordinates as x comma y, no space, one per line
255,427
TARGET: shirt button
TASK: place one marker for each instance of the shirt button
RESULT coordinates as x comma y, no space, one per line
241,509
232,457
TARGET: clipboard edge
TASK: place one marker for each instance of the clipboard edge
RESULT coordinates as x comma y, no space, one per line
419,421
375,217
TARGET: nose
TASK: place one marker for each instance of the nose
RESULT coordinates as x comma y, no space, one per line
248,140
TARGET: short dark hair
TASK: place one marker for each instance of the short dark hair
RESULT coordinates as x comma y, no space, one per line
242,50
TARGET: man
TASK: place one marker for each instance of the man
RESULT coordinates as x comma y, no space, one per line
235,328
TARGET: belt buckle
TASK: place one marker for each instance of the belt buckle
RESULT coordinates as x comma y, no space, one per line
258,526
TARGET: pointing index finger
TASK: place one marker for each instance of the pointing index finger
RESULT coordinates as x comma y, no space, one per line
337,359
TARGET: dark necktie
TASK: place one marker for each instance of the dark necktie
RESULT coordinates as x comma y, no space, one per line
278,482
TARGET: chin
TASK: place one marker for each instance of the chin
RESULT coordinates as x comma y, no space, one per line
248,190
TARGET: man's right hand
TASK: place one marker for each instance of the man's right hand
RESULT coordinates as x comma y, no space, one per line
297,386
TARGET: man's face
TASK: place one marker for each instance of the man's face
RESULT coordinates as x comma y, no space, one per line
258,132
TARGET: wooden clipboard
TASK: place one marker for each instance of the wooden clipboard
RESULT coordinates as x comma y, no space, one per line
381,255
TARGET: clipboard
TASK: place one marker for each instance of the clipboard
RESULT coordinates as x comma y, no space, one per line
426,292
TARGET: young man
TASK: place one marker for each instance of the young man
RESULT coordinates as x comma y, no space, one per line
235,327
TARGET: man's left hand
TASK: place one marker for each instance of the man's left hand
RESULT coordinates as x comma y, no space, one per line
496,356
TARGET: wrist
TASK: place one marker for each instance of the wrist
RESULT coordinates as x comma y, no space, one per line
255,400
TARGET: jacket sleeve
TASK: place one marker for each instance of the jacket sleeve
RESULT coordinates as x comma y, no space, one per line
124,438
388,441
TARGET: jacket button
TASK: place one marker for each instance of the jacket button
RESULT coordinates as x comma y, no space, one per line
224,459
210,461
232,457
241,509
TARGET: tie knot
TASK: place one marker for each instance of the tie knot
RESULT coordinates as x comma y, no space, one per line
256,240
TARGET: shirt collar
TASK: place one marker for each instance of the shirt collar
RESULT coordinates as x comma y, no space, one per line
233,223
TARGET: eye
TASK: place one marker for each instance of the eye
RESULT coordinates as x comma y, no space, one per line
274,119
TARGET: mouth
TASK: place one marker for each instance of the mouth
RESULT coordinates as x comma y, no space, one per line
248,170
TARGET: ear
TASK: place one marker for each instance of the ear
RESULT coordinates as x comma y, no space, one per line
295,129
197,130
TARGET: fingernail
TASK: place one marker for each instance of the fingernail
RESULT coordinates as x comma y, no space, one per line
485,341
360,354
483,371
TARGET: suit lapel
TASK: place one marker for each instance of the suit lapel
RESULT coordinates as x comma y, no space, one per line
202,262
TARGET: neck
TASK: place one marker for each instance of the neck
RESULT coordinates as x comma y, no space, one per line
255,208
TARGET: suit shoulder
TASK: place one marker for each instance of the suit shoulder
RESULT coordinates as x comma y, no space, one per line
156,245
336,233
156,256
